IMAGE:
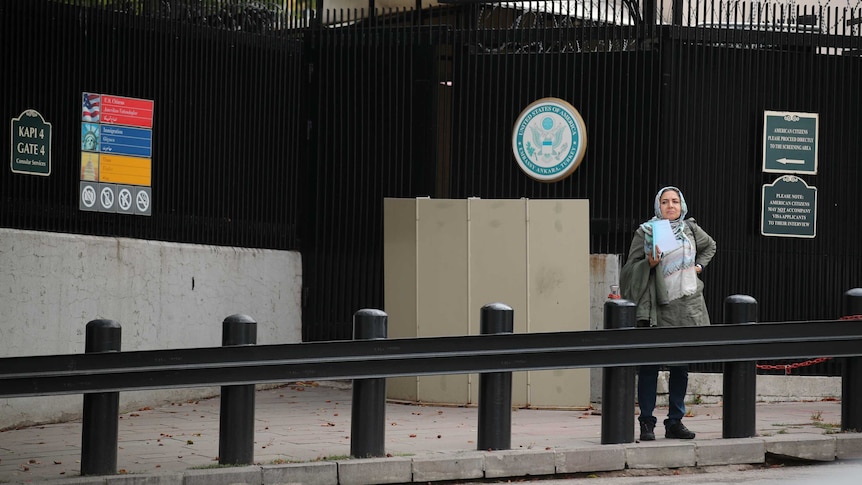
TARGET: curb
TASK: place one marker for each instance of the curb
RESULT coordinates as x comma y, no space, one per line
478,465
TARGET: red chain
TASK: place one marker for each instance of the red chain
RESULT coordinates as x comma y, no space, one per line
789,367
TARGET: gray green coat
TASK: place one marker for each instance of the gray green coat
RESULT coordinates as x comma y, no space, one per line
638,283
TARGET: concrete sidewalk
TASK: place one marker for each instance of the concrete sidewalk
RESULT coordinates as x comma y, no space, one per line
302,435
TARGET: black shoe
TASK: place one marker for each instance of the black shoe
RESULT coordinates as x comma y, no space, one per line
678,430
647,431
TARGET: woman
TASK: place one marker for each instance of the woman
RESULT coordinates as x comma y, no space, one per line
668,293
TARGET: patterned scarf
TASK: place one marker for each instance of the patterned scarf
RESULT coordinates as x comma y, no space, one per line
679,276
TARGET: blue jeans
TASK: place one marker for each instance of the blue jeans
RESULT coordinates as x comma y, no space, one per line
677,386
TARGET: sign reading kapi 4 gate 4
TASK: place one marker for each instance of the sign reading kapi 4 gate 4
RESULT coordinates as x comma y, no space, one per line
789,208
31,144
790,142
549,139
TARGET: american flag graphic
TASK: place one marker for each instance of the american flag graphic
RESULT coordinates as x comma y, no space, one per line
90,107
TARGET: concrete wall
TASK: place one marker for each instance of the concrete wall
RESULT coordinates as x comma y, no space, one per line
164,295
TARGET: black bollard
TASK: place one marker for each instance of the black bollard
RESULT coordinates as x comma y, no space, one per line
368,410
100,423
851,370
740,378
495,388
236,414
618,383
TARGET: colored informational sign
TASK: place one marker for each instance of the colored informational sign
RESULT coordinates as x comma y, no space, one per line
122,169
790,142
123,140
31,144
117,110
789,208
116,151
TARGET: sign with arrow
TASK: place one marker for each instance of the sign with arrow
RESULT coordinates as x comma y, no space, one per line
790,142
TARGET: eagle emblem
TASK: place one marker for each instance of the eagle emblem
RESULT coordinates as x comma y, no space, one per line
548,141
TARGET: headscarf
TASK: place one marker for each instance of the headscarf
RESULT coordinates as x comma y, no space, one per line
676,268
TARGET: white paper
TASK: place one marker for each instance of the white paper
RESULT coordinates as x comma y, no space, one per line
663,237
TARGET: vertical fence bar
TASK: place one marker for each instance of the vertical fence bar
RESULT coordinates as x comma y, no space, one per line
618,383
236,415
495,388
100,423
740,378
851,372
368,409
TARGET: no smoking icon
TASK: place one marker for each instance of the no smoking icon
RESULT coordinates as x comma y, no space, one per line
143,201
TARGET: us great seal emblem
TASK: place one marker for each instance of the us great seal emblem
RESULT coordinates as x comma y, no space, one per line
549,139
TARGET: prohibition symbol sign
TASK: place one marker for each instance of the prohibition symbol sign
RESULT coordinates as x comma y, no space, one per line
124,199
107,198
88,196
142,201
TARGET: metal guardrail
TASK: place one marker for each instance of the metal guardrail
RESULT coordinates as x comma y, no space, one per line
199,367
237,366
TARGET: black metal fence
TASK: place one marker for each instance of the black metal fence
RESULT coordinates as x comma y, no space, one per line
226,136
285,129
